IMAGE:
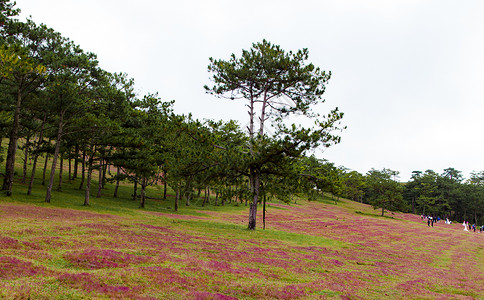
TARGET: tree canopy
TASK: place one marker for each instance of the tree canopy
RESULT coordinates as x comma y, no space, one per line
275,85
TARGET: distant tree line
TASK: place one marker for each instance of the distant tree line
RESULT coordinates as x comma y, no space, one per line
445,195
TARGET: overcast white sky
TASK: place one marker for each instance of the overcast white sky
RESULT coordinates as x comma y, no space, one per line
408,74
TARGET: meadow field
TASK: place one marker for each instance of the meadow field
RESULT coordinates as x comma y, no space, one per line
309,250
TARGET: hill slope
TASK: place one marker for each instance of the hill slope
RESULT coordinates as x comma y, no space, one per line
309,251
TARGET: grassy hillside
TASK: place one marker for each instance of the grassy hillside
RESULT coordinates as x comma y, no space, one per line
311,250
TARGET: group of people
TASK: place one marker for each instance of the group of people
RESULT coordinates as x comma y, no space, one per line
431,220
469,227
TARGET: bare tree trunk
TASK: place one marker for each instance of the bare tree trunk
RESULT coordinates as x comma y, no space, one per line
204,198
164,186
264,213
252,215
177,198
118,173
76,161
189,194
104,168
26,158
69,178
135,190
12,148
100,178
143,193
216,198
48,195
36,155
255,185
230,194
45,168
83,169
59,188
89,179
208,195
9,168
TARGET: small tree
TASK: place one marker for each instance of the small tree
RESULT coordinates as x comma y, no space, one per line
276,84
385,193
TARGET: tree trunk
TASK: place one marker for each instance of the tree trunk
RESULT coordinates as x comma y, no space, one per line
188,192
382,211
104,168
69,178
36,155
230,194
9,168
48,195
177,197
26,157
208,195
216,198
188,198
143,193
83,169
100,178
59,188
118,173
264,213
89,179
204,198
255,185
45,168
252,215
135,190
76,162
12,148
164,186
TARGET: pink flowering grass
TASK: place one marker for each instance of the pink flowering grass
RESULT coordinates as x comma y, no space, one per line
308,251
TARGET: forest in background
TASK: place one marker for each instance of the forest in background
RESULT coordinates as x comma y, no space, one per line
60,112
